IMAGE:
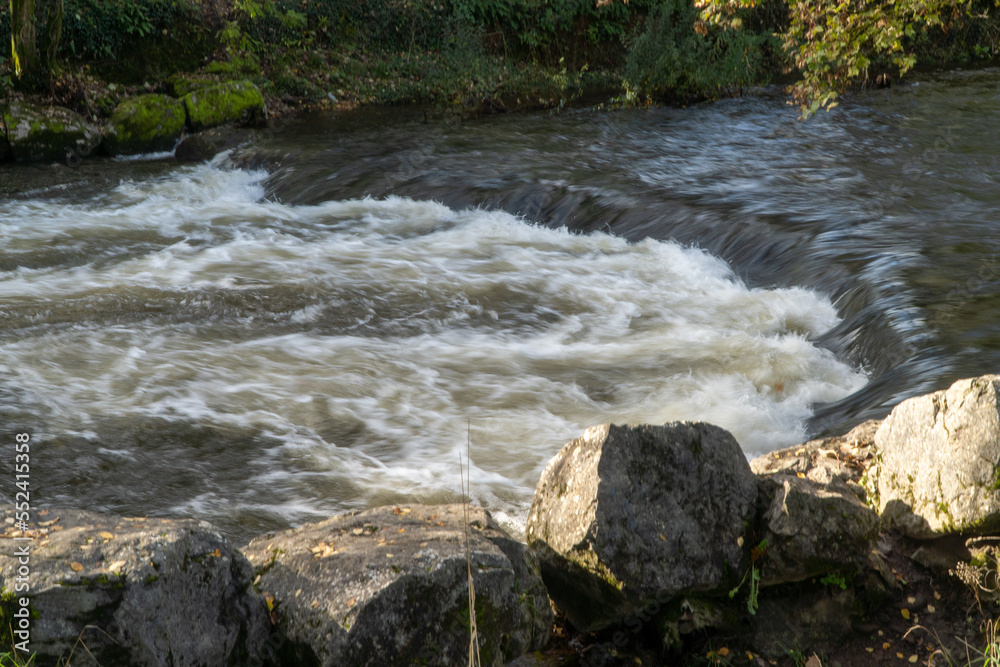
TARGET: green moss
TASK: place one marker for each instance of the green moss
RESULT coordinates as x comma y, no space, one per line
145,124
233,102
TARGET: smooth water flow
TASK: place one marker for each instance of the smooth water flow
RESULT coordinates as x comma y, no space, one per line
325,319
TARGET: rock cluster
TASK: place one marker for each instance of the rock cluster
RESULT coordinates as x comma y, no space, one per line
142,124
634,531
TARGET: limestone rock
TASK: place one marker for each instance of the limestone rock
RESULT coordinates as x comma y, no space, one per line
940,461
388,586
813,529
825,460
145,124
627,514
166,592
233,102
39,133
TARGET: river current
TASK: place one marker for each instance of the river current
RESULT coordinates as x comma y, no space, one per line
329,318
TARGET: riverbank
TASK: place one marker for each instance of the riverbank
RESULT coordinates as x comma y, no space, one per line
458,54
654,545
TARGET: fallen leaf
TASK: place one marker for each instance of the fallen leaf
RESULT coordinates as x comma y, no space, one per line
358,531
899,655
937,596
723,651
352,602
217,553
76,567
800,475
885,646
269,599
298,592
401,530
106,535
931,609
662,537
116,566
912,658
46,524
869,649
814,661
905,613
911,600
388,555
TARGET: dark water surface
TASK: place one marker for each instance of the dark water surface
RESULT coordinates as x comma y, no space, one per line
314,324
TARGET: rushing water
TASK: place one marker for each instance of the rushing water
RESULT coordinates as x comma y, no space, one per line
324,319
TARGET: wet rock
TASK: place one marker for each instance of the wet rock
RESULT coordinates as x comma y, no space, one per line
145,124
38,134
239,102
137,592
627,514
203,146
813,529
389,587
939,471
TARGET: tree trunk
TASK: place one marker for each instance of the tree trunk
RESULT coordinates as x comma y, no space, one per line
27,66
49,47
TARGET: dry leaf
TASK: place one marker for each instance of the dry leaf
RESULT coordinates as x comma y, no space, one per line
931,609
401,530
76,567
913,658
814,661
352,602
885,646
217,553
46,524
358,531
723,651
269,599
116,566
106,535
905,613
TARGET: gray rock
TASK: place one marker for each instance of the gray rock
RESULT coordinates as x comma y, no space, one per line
842,458
38,134
813,529
389,587
627,514
137,592
940,453
203,146
817,619
145,124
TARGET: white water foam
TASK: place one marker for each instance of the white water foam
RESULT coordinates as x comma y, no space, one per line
364,336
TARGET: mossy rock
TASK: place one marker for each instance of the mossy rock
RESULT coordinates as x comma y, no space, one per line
4,144
238,102
145,124
181,84
43,134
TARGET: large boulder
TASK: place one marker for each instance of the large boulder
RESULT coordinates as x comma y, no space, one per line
137,592
940,461
145,124
626,515
813,529
38,133
389,586
238,102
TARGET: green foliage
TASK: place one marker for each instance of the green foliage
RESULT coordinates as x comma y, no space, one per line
679,57
834,579
753,574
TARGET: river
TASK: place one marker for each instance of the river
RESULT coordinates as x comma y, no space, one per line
330,318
